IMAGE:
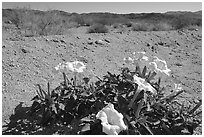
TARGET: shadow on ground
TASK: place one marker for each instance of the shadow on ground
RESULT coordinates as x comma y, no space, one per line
21,123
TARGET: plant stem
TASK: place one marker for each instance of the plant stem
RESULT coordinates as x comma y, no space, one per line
75,79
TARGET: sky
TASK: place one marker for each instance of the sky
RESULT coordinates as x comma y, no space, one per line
113,7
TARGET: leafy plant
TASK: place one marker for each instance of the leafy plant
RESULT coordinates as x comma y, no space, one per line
144,113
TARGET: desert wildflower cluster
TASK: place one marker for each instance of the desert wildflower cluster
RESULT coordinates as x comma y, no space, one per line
130,103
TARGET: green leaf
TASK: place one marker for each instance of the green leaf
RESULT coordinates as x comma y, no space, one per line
152,76
159,81
139,109
48,89
66,82
142,120
195,108
147,76
164,126
35,107
198,114
137,70
40,91
172,96
147,128
41,97
134,98
144,72
35,97
122,103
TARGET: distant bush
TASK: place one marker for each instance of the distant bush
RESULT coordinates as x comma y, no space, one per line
140,27
128,24
98,28
117,25
31,23
184,22
50,25
162,27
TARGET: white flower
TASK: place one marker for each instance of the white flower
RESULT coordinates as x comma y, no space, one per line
75,66
111,120
142,52
139,55
128,60
143,85
145,58
59,67
159,65
177,87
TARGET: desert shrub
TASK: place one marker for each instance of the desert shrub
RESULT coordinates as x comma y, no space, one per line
80,20
184,22
159,26
128,24
49,25
162,26
98,28
144,113
192,27
140,27
16,19
31,24
116,25
180,23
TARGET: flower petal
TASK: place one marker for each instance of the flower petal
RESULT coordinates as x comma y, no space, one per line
110,129
143,85
112,120
177,87
159,66
102,116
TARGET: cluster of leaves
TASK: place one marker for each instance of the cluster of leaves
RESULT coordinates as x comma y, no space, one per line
143,112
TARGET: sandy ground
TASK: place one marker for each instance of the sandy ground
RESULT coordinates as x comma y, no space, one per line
27,61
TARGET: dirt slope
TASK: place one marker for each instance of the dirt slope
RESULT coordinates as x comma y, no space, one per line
29,61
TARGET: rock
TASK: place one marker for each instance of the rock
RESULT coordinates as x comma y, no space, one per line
106,40
9,22
34,39
99,42
148,44
62,41
177,44
161,43
24,51
54,40
78,37
90,42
